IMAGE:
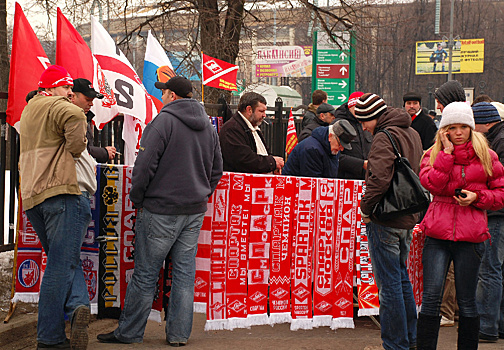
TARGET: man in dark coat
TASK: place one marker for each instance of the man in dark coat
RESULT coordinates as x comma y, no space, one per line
325,116
389,241
353,162
420,121
318,155
489,293
242,143
318,97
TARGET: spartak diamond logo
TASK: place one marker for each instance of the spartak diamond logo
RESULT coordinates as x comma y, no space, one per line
323,306
236,306
342,303
257,296
217,306
300,293
213,66
279,293
199,283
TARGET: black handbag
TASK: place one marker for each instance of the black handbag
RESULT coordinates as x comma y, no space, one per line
405,194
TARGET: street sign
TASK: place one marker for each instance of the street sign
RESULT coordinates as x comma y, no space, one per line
333,67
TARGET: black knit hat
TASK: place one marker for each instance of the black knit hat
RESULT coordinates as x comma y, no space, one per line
369,107
411,96
449,92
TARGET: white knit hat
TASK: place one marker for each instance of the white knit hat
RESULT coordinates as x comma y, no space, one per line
457,113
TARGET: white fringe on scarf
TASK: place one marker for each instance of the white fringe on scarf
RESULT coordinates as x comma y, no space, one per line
32,298
257,320
301,323
369,312
155,315
280,317
322,321
237,322
342,322
199,308
216,325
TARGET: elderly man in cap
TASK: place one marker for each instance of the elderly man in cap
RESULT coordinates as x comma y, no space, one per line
353,162
84,94
318,155
325,116
177,169
421,122
389,241
52,137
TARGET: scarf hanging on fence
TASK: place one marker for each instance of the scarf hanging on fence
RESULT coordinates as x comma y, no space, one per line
323,283
415,266
344,257
237,250
280,271
302,243
216,307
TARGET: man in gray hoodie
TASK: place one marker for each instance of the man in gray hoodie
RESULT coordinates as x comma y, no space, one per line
177,169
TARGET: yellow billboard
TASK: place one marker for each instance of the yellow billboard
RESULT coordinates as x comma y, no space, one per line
432,56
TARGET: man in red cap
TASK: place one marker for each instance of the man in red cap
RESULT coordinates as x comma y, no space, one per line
353,162
52,138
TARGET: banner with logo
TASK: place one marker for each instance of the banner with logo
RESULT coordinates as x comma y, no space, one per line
219,74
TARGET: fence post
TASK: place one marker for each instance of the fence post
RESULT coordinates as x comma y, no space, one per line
14,179
3,160
277,129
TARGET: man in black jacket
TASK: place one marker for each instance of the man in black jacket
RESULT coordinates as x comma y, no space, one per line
178,166
353,162
84,94
489,293
420,121
242,143
318,97
325,116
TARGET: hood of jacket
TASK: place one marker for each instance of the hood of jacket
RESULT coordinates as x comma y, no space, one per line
342,112
321,134
393,117
188,111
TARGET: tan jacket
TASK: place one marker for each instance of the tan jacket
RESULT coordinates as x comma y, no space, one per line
52,132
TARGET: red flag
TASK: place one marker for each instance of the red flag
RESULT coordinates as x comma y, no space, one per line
28,61
292,140
219,74
73,53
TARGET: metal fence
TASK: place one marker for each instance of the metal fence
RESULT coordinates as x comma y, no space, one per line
274,130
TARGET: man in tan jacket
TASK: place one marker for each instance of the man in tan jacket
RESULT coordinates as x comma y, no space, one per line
52,134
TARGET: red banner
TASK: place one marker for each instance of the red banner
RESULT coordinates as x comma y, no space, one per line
219,74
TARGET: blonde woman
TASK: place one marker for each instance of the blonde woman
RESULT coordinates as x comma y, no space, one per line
466,179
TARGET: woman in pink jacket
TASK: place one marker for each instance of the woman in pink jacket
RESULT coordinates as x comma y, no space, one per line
466,179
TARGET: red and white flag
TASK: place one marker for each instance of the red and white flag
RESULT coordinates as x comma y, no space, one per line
28,61
130,93
219,74
292,139
73,53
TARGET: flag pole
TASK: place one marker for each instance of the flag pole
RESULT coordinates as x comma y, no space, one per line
202,86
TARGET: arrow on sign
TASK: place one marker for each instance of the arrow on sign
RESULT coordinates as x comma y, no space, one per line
342,56
343,70
343,84
342,98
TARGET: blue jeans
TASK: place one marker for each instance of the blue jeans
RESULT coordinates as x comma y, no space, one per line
389,249
61,223
466,257
489,291
156,236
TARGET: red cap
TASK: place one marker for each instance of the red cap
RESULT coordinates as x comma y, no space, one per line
352,100
55,76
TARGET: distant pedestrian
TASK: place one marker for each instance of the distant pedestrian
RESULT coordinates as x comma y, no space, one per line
318,97
419,120
466,179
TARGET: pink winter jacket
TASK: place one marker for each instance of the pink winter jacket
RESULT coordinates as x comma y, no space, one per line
445,218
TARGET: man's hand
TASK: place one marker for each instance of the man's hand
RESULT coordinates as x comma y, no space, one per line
365,165
111,152
279,162
366,220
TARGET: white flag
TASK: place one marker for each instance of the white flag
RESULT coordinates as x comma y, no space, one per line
131,96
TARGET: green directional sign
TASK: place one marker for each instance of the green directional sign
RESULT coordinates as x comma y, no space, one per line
333,67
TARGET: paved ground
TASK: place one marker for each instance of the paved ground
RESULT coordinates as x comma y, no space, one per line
20,333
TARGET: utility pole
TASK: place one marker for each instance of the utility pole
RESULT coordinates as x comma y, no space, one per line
450,41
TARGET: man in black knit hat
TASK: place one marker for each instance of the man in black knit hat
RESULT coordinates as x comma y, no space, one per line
451,91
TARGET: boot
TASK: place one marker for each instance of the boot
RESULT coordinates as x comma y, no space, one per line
427,332
468,333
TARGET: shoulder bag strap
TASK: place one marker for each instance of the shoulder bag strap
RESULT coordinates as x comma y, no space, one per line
396,151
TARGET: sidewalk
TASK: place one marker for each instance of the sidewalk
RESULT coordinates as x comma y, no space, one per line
20,333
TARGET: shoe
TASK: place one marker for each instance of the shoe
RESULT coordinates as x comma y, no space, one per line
64,345
177,344
109,338
446,322
78,334
483,338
